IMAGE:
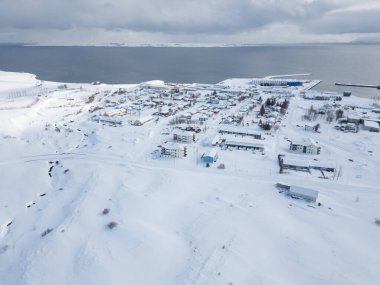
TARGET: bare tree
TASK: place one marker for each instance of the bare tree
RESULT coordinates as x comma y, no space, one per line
330,116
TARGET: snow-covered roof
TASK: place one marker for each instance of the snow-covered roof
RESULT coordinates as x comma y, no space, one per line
216,139
371,124
324,164
172,145
180,132
242,141
238,131
305,192
305,142
145,118
212,153
296,162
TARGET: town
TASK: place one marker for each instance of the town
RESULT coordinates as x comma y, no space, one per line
239,123
262,127
157,171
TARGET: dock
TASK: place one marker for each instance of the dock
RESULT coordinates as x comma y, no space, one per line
358,85
312,84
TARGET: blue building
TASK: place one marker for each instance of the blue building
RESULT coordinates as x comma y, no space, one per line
294,83
276,82
211,157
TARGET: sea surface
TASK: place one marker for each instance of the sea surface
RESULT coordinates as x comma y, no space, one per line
330,63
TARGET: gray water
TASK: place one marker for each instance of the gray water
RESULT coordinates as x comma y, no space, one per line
330,63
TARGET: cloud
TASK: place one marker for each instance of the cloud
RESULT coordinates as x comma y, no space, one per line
182,19
355,19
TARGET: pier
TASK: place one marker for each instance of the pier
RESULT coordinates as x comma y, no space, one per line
358,85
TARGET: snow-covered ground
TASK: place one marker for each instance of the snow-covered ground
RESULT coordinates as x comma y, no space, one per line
177,221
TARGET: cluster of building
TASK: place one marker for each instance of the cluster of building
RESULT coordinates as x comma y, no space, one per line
356,118
321,96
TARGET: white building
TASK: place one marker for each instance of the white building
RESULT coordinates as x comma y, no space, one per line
173,150
371,126
303,193
183,136
295,164
306,165
315,95
307,145
242,142
240,131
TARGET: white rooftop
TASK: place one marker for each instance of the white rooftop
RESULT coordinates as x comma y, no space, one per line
306,192
371,124
305,142
296,162
242,141
172,145
239,130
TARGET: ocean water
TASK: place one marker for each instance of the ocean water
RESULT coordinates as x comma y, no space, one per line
330,63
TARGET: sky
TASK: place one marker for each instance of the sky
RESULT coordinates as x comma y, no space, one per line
97,22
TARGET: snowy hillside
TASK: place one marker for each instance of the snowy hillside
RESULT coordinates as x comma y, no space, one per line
88,194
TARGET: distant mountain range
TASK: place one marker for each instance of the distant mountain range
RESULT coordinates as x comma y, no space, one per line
195,45
367,40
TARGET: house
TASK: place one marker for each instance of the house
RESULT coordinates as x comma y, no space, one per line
307,145
171,149
183,136
211,157
303,193
164,112
216,140
371,126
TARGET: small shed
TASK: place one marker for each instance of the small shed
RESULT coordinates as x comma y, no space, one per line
303,193
211,157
